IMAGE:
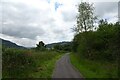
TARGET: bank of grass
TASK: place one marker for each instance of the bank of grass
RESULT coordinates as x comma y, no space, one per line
94,69
19,63
45,69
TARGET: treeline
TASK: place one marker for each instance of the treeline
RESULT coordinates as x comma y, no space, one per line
102,44
60,46
63,47
95,42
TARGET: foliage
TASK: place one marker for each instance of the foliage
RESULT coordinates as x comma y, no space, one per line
94,69
40,46
21,63
63,47
85,18
97,50
16,62
98,45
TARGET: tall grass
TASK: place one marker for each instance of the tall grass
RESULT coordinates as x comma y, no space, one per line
94,69
19,63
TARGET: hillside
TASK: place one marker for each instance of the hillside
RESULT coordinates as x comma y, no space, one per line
59,43
10,44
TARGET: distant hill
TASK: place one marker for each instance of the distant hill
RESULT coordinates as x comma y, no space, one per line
10,44
59,43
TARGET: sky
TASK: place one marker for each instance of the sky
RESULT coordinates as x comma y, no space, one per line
26,22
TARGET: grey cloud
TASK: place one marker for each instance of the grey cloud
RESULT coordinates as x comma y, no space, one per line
27,24
119,11
69,16
103,8
22,32
62,34
16,20
18,12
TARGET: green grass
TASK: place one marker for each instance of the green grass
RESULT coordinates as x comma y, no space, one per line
28,63
45,69
94,69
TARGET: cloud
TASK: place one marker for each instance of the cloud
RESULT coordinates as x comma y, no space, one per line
119,10
28,22
107,10
20,21
69,15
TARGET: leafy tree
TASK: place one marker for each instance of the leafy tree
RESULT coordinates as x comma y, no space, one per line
40,46
85,18
57,47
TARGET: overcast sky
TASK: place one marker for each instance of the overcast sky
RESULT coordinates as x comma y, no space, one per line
26,22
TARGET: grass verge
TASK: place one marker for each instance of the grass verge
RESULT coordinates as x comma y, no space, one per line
46,69
94,69
18,63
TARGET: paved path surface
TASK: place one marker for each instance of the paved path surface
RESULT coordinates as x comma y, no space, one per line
64,69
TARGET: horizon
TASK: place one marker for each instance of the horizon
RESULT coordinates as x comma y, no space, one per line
28,22
35,44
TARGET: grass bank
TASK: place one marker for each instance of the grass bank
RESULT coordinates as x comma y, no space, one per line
28,63
94,69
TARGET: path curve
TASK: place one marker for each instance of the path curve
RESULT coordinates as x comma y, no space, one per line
64,69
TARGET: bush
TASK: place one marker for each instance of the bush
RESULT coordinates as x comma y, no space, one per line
19,63
16,63
98,45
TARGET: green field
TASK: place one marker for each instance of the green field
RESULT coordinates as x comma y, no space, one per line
94,69
18,63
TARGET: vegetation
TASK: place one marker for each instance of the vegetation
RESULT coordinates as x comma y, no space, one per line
97,50
40,46
23,63
85,18
94,69
98,45
64,47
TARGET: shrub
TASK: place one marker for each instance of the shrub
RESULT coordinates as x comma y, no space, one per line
98,45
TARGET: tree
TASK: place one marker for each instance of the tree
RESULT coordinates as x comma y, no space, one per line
85,18
57,47
40,46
